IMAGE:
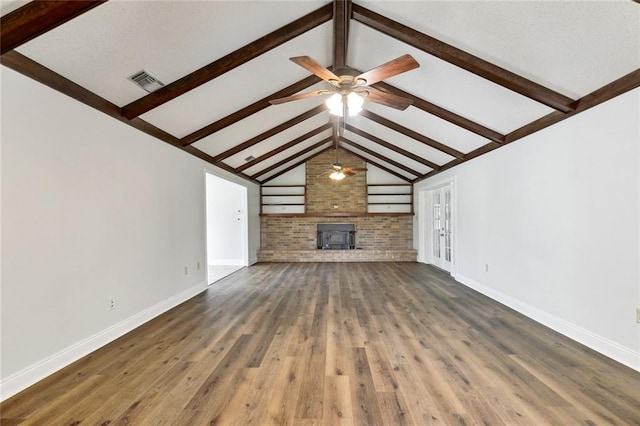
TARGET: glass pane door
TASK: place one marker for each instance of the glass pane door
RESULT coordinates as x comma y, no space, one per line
437,219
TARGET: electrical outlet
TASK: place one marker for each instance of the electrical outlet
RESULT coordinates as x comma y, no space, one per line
186,270
112,306
486,267
638,315
198,265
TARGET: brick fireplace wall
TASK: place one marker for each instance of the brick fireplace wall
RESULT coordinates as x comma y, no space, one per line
372,232
324,194
292,238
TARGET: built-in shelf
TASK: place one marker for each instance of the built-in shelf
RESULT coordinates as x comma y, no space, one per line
282,199
382,199
390,198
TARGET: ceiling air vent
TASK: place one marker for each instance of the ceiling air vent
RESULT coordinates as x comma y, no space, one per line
146,81
249,158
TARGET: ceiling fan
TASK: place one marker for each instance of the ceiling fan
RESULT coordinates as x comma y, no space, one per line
349,89
337,171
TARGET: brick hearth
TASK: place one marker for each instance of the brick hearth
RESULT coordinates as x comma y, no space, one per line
337,256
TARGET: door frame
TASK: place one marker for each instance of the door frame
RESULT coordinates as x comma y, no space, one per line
243,217
425,218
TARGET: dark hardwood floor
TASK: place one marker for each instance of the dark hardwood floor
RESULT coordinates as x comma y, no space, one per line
336,343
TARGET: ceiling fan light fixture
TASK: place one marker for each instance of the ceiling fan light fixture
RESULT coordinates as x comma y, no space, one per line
337,175
354,104
334,103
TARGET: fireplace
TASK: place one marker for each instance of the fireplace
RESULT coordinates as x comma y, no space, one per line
336,236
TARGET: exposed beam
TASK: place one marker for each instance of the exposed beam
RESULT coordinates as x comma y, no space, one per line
206,157
381,157
38,17
41,74
271,132
293,166
412,134
28,67
341,18
443,113
229,62
380,166
284,147
287,160
248,110
473,154
464,60
392,147
618,87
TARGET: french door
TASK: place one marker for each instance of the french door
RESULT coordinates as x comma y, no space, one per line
441,228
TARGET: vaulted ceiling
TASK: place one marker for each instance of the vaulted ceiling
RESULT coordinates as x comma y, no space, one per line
490,72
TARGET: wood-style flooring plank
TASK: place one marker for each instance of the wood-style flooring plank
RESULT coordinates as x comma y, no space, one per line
336,343
284,394
337,401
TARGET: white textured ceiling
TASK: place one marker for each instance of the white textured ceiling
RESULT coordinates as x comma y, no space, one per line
572,47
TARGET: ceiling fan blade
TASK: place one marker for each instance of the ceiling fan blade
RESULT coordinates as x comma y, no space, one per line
387,99
298,96
389,69
350,171
314,67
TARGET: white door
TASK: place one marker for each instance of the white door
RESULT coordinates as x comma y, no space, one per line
441,228
226,224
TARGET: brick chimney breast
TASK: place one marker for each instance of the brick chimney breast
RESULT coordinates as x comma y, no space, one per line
324,194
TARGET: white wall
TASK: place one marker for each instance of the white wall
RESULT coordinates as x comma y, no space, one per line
226,234
556,217
92,210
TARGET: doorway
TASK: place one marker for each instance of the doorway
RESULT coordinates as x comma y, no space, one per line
226,224
436,226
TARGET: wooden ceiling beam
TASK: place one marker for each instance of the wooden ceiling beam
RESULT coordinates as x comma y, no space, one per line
464,60
206,157
412,134
381,167
381,157
41,74
290,158
248,110
341,18
28,67
38,17
285,146
473,154
618,87
443,113
271,132
293,166
392,147
228,62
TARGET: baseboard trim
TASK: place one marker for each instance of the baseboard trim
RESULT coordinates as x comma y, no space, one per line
609,348
225,262
21,380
